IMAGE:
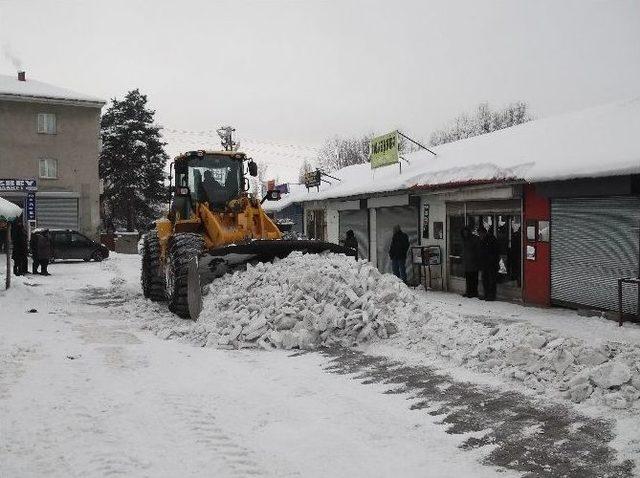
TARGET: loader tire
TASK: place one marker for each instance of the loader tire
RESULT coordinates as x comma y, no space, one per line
152,278
184,248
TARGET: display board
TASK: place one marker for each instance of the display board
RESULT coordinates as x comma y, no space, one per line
384,150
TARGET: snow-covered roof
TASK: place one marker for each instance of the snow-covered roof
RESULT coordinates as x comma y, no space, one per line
295,191
31,90
595,142
8,210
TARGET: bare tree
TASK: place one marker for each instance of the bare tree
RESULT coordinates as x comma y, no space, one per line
304,169
484,120
337,153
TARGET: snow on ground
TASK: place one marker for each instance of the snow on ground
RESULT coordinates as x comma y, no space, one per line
546,352
85,392
304,301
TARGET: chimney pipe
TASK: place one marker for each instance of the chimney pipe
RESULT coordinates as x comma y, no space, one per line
22,76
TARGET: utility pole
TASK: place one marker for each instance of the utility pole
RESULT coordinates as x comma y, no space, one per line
226,138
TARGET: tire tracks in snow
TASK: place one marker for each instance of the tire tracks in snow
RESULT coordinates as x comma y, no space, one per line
538,438
535,437
191,414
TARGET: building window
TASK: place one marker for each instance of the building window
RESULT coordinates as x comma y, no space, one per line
46,123
49,168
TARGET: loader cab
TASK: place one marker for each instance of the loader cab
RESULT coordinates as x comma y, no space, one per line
214,178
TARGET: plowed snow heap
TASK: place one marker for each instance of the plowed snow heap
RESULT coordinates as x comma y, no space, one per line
303,301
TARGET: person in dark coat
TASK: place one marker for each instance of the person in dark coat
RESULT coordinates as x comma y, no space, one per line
20,248
351,242
33,247
489,263
398,253
44,251
470,261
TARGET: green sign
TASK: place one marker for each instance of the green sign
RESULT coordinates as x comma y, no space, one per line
384,150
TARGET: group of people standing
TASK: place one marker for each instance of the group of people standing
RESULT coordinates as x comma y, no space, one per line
39,245
480,253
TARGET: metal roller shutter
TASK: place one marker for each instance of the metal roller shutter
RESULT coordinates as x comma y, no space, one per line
357,220
57,213
594,241
386,218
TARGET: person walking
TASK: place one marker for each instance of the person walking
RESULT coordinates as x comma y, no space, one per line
44,251
351,242
398,253
470,262
489,263
20,248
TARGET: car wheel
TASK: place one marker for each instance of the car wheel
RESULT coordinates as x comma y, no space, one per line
97,256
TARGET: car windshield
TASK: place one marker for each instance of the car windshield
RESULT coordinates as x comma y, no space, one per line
212,178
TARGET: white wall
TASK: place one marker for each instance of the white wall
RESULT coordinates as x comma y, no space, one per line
373,256
333,225
437,213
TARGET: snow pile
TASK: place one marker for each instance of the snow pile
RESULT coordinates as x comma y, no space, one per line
303,301
8,210
542,360
307,301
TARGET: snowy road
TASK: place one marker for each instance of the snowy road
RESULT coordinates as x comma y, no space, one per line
85,392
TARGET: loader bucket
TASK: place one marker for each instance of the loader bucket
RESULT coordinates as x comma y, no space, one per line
217,262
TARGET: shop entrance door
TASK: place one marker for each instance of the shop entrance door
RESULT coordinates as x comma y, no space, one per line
503,220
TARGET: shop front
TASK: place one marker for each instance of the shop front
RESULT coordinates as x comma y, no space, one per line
391,211
22,193
594,242
355,219
503,219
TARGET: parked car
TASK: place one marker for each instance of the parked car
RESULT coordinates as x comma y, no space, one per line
70,244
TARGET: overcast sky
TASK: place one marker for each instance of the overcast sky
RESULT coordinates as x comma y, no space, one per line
296,72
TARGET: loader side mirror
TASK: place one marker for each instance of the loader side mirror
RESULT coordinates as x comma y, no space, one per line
253,168
272,195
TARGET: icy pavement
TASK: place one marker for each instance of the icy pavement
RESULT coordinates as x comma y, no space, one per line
85,392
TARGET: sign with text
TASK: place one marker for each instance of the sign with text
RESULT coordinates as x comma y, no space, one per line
20,185
384,150
283,188
31,206
425,222
312,179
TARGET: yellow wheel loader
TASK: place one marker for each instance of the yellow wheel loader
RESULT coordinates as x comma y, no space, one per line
213,227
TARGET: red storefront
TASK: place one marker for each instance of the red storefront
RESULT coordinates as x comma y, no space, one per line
536,247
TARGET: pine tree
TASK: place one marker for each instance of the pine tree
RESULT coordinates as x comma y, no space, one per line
132,162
